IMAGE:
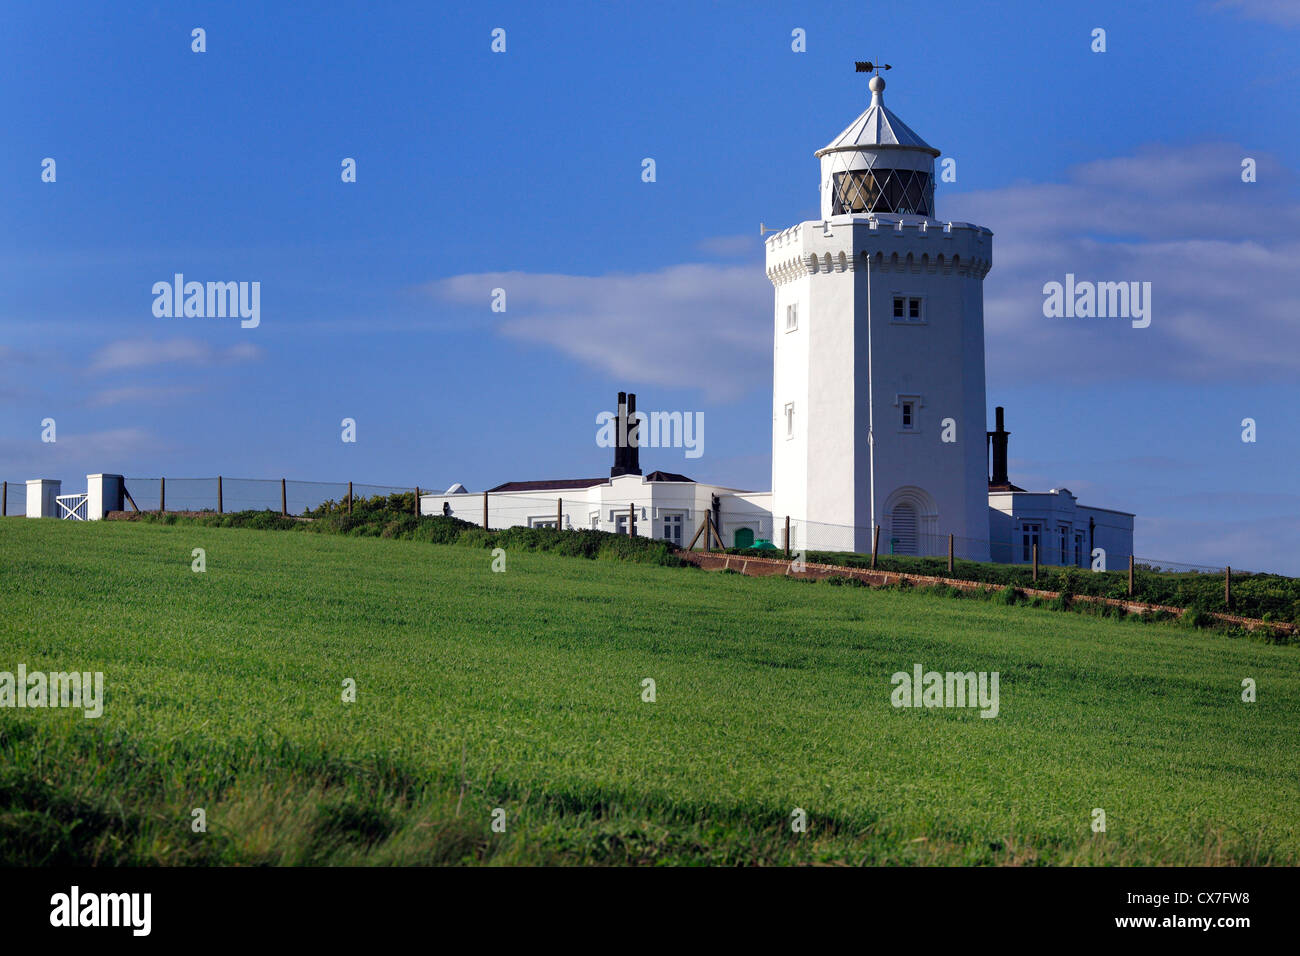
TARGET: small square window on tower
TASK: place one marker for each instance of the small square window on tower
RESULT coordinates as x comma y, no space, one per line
791,317
909,409
909,309
789,420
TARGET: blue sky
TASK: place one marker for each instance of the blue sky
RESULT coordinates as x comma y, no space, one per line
522,170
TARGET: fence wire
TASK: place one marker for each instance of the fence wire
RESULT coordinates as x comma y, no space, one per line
676,522
14,496
812,536
228,495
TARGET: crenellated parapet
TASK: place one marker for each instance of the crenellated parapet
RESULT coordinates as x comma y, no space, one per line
893,244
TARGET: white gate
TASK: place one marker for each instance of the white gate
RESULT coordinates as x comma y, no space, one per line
73,507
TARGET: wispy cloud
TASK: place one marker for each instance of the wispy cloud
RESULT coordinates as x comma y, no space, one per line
1284,13
139,394
1262,544
732,247
1219,254
106,450
138,353
685,326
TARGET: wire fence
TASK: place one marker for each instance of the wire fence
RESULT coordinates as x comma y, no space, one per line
225,495
1073,549
1060,564
676,521
13,498
689,516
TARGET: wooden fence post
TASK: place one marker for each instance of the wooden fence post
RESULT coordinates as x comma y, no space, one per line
1227,587
787,537
4,501
1130,575
698,531
716,533
950,564
162,495
349,497
559,514
485,513
417,501
875,545
631,517
284,500
1035,562
220,503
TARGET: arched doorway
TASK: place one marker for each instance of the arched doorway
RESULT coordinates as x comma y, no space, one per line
911,520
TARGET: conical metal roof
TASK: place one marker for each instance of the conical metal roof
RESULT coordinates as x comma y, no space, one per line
878,128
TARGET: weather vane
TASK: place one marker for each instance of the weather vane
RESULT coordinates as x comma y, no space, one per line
869,67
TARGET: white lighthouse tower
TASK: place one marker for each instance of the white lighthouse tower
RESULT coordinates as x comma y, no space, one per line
878,406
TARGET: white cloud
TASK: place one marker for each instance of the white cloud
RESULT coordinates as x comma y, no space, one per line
139,394
685,326
1263,544
1285,13
732,247
1219,255
137,353
107,450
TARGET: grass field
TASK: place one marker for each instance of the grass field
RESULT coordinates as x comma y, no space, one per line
522,690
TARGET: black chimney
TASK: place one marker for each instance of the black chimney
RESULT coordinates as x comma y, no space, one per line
622,428
633,459
998,441
627,451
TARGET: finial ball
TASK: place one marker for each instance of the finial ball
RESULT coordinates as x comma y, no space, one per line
876,84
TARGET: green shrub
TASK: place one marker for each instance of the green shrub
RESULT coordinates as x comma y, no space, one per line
402,527
475,538
440,530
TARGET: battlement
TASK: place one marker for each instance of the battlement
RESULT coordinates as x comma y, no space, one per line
892,243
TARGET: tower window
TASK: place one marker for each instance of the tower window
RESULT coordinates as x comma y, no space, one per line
789,420
909,308
909,406
791,318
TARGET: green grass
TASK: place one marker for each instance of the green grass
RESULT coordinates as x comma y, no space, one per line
522,690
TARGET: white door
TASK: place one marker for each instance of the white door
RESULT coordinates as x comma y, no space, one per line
673,526
903,533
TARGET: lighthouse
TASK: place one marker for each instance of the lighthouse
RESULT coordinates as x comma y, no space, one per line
878,405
